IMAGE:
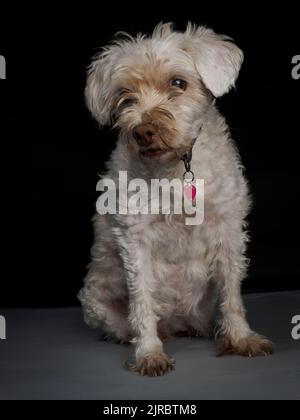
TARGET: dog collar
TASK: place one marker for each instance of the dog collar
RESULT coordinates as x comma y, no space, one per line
189,189
187,158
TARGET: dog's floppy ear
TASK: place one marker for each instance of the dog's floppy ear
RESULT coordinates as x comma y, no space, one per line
217,58
98,88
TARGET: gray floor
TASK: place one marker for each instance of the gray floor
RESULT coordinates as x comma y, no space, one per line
51,354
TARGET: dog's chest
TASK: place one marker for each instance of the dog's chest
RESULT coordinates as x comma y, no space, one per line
183,260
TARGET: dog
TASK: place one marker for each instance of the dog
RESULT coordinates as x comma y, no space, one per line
151,277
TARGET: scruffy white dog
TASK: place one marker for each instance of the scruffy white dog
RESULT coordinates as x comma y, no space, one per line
151,276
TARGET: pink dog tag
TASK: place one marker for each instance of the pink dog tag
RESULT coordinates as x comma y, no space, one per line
190,191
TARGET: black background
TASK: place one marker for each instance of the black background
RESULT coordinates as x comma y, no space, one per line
52,150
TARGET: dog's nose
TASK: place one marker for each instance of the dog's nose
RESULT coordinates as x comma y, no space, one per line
144,133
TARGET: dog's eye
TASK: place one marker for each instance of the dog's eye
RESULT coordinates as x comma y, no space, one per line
126,102
179,83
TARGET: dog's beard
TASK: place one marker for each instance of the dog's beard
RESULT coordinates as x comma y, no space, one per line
171,142
158,154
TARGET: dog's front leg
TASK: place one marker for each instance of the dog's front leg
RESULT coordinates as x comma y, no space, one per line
135,249
234,333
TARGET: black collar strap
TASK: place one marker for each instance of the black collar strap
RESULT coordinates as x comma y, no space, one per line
187,156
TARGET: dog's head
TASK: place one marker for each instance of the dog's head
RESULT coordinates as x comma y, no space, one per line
156,90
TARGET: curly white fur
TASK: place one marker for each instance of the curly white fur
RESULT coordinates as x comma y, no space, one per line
151,275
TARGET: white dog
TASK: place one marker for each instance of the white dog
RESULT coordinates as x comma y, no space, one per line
151,276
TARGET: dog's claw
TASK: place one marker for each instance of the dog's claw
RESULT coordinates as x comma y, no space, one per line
156,364
252,346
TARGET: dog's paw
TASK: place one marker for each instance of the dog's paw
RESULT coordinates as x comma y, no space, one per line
189,333
252,346
155,364
115,340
